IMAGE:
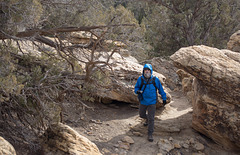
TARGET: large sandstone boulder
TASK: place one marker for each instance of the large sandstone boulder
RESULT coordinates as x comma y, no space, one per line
125,70
61,139
6,147
234,42
216,102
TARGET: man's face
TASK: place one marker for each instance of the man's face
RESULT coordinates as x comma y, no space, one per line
146,71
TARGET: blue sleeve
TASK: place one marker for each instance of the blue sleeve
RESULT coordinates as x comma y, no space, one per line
137,85
160,89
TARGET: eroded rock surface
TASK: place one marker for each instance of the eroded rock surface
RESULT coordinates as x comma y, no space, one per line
216,101
61,139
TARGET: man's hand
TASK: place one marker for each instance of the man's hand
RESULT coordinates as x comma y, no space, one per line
164,102
139,91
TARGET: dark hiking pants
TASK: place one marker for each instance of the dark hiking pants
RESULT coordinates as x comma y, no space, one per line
150,109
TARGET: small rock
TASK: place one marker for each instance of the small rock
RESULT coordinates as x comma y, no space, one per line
191,141
96,121
89,133
124,145
159,154
177,145
128,139
186,146
199,146
105,150
138,134
171,139
165,145
187,142
116,145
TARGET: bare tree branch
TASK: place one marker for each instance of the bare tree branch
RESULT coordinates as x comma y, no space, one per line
53,31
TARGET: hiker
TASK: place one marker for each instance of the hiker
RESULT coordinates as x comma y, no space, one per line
146,88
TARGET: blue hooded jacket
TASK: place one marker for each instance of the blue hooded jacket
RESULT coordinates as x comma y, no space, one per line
150,92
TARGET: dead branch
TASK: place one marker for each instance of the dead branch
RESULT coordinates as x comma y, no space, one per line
53,31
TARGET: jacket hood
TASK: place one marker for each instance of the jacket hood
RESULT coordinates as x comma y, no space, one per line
149,66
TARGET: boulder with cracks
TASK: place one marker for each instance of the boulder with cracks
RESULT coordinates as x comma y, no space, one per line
216,100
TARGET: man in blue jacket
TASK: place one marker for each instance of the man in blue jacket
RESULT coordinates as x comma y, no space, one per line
146,88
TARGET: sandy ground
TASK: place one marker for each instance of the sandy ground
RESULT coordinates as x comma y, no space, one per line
106,125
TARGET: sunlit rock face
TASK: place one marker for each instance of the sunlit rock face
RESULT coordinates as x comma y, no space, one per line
6,147
61,139
216,87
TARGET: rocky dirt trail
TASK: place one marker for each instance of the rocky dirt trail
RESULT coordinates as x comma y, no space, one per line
117,130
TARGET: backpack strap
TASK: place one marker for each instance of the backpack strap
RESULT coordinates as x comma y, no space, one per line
142,79
154,78
142,83
148,82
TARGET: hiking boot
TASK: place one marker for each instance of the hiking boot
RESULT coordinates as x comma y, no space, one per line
150,138
146,123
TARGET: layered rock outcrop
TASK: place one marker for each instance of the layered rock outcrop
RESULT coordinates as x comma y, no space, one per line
234,42
216,101
61,139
